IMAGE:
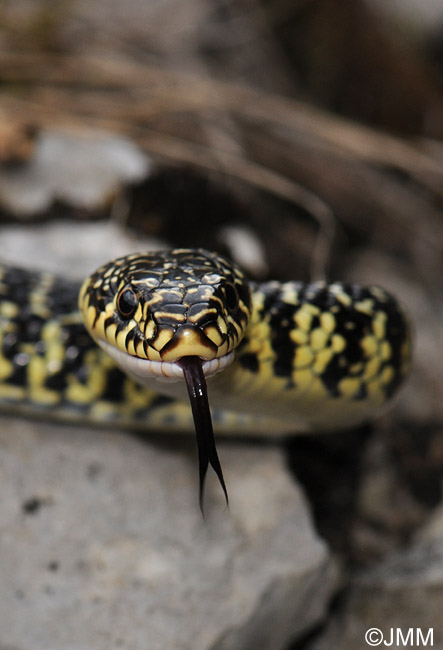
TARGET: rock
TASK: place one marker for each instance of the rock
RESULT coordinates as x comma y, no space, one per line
403,592
102,544
82,170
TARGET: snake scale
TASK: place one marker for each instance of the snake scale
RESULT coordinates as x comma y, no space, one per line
277,357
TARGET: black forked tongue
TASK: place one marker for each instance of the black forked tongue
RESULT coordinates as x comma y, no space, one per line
198,395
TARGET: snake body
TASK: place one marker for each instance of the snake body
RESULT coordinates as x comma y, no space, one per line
308,357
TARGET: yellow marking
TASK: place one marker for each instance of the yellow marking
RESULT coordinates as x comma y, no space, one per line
176,318
163,337
372,368
385,351
131,348
369,345
37,373
27,348
189,343
136,396
318,389
327,321
213,334
120,339
298,336
104,410
99,328
356,368
85,393
222,325
379,325
8,309
140,351
152,354
149,329
9,392
304,356
365,306
55,350
319,338
289,295
224,349
90,314
322,359
79,394
349,386
344,299
139,312
303,318
302,378
341,296
374,390
387,375
203,312
6,368
111,332
338,343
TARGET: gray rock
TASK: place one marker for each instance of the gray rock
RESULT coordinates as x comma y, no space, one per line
102,545
85,170
400,596
405,592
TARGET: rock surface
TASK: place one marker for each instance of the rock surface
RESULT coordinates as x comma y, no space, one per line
102,545
400,596
84,171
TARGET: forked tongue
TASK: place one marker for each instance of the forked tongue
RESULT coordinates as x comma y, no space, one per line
198,395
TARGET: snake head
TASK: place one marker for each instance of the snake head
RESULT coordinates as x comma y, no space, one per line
164,306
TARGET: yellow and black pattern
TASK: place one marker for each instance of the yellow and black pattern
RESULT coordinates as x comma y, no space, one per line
49,363
313,357
323,355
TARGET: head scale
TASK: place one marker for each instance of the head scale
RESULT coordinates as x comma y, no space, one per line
166,305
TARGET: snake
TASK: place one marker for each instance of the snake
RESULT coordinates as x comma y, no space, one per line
148,336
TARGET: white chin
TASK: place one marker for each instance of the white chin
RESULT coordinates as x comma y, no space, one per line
144,370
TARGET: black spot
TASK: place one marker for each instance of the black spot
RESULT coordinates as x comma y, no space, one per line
113,391
281,325
57,380
32,505
362,392
249,361
231,297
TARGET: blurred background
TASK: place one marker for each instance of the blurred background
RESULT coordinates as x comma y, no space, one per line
304,138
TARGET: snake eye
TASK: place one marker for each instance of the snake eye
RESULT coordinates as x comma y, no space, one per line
127,303
231,297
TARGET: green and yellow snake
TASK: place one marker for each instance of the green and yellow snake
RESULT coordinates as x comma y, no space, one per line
278,357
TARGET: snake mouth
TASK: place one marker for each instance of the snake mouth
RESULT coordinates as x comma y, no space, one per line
144,370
